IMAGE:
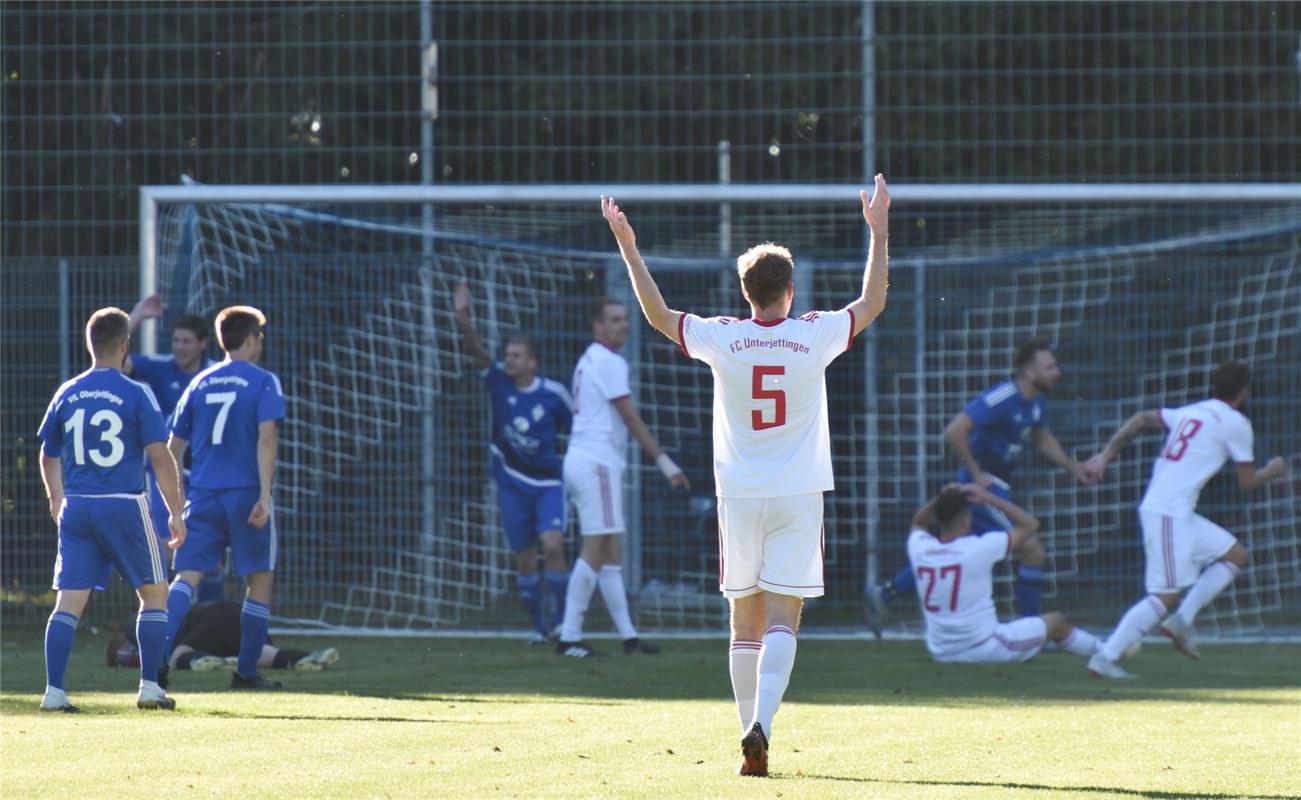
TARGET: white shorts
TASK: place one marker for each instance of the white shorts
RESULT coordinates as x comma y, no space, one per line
1018,640
597,491
1178,548
774,545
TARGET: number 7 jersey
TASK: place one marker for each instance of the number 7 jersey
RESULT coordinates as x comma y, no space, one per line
1201,437
219,416
771,436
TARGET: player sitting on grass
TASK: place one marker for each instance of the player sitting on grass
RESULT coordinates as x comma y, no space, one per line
955,583
1183,549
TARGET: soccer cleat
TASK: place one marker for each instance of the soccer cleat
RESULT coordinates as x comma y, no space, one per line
538,638
317,660
256,683
1101,667
754,753
206,663
877,609
151,698
1181,635
636,645
575,649
57,700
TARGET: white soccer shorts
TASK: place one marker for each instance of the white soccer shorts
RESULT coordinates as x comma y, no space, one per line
773,544
1018,640
1179,548
597,491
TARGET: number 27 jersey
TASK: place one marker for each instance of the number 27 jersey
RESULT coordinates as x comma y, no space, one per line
771,436
219,416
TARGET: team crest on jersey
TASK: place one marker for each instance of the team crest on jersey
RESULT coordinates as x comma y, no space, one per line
521,424
1036,413
511,399
538,413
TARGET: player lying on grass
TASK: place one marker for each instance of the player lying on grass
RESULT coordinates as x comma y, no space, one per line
772,449
955,583
1185,550
208,639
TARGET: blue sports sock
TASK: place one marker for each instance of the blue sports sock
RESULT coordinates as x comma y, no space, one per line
530,591
151,633
178,605
557,587
254,620
211,587
1028,590
59,633
900,584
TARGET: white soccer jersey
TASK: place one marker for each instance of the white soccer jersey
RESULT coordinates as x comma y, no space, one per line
955,586
599,433
771,437
1201,438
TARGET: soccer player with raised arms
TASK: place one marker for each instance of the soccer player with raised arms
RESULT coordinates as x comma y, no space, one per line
772,449
1185,551
228,417
94,438
528,412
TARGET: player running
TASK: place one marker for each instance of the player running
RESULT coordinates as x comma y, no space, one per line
230,414
987,436
1184,549
95,435
772,449
604,414
955,580
528,413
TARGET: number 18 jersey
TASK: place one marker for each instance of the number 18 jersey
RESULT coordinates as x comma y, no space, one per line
771,437
1202,436
219,416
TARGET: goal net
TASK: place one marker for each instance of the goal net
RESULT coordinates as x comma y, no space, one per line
388,514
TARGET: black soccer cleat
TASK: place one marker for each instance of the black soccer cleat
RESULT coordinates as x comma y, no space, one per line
754,753
256,683
636,645
575,650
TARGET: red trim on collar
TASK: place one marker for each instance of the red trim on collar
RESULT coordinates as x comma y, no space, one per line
767,323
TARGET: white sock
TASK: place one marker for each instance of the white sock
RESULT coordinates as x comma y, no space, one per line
150,685
616,599
582,582
743,663
776,660
1081,643
1141,618
1213,580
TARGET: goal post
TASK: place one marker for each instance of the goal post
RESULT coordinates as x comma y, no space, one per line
390,516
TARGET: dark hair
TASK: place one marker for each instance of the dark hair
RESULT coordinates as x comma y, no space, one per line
949,506
107,328
765,271
195,324
526,341
1229,379
596,308
235,324
1026,353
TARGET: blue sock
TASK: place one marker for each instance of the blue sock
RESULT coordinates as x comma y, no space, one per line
254,620
151,633
1028,590
530,591
557,587
59,633
178,605
211,587
900,584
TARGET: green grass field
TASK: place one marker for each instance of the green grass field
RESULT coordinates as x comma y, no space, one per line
489,718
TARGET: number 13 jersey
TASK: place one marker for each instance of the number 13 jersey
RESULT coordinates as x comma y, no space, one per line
1201,438
771,437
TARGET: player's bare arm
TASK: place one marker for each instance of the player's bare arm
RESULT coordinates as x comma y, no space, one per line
151,307
876,276
169,484
924,519
1134,427
658,314
1251,479
52,475
1053,450
469,333
628,411
268,439
1024,524
957,434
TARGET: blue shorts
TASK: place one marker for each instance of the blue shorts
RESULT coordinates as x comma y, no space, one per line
99,534
987,518
528,511
215,520
158,509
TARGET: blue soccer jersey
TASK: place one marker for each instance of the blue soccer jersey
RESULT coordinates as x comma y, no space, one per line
99,424
525,424
163,375
1004,420
219,414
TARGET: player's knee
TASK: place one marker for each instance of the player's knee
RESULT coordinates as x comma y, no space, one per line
1238,556
1032,552
1057,624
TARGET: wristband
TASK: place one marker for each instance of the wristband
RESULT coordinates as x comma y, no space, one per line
667,466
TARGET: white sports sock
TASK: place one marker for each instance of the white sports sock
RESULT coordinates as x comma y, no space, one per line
776,660
1213,580
616,599
743,663
1141,618
1081,643
582,582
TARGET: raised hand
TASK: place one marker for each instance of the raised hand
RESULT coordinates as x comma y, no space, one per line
461,299
151,307
876,210
618,222
976,493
